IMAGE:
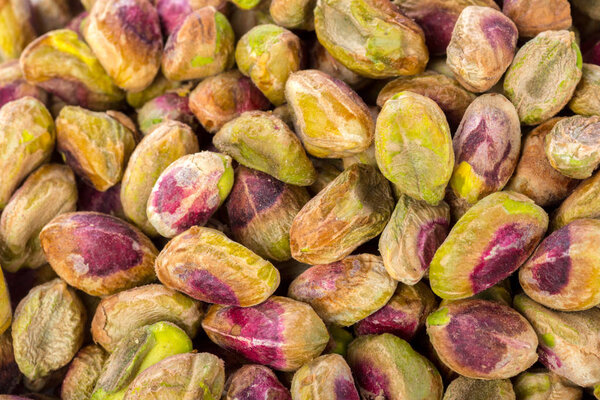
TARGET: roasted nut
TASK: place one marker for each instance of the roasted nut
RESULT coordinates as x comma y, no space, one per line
9,370
295,14
372,38
108,202
413,146
13,86
350,211
385,366
83,373
167,107
585,100
536,16
5,307
280,333
486,245
16,29
159,86
255,382
581,203
262,141
98,253
173,12
47,329
482,339
542,385
325,377
543,76
477,389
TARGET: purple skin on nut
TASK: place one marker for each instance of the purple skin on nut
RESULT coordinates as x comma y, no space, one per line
549,358
499,32
8,93
252,98
320,280
264,387
71,92
387,320
438,26
90,199
344,389
372,380
212,289
176,107
141,21
430,237
172,13
553,276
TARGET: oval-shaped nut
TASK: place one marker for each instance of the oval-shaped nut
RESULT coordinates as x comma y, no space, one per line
386,367
183,376
5,308
330,118
482,339
83,373
344,292
118,315
294,14
10,376
27,137
189,191
486,245
173,12
581,203
108,202
413,146
262,141
261,210
411,237
47,329
534,176
586,99
141,349
95,145
325,377
268,54
13,86
463,388
543,76
482,47
568,340
542,385
371,37
255,382
404,315
486,150
348,212
62,64
169,106
98,253
220,98
16,29
206,265
536,16
281,333
125,36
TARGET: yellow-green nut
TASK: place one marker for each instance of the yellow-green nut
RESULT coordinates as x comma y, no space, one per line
95,145
330,118
246,4
49,191
487,244
582,203
141,349
413,146
536,16
201,46
351,210
463,388
586,99
16,30
268,54
244,20
62,64
346,291
83,373
371,37
13,86
27,137
206,265
543,76
5,307
261,141
125,36
173,105
168,142
47,329
365,157
294,14
159,86
326,377
182,376
544,385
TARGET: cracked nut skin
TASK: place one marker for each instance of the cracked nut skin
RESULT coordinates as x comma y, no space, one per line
536,16
16,30
83,373
255,382
47,329
325,377
463,388
189,191
10,376
13,85
348,212
482,339
49,191
206,265
98,253
171,106
490,241
118,315
386,367
585,100
346,291
542,385
5,307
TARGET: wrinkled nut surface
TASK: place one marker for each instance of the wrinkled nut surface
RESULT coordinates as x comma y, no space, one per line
83,373
13,86
16,30
540,385
255,382
463,388
295,14
47,329
348,212
206,265
482,339
172,106
98,253
536,16
5,307
325,377
586,100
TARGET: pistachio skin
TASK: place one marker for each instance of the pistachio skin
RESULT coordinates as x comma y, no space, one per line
173,12
542,385
17,30
83,373
255,382
325,377
585,100
463,388
171,106
581,203
548,15
5,307
13,86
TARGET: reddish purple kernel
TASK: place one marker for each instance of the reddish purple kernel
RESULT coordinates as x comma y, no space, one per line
344,389
320,280
437,27
264,386
252,98
387,320
8,93
372,380
169,195
549,358
499,32
430,237
172,13
198,214
552,276
108,202
210,288
142,20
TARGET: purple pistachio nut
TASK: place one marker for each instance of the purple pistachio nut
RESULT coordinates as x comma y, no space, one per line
346,291
536,16
108,202
325,377
463,388
585,100
172,106
348,212
339,339
98,253
482,339
206,265
583,202
280,333
293,14
411,237
487,245
563,272
16,29
486,148
261,210
255,382
568,340
83,373
404,315
323,61
482,47
386,367
10,376
534,176
13,86
542,385
189,191
173,12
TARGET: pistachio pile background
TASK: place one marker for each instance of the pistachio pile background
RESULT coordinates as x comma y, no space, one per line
299,199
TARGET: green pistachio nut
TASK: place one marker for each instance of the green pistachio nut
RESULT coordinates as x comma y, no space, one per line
83,373
581,203
16,30
586,99
544,385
